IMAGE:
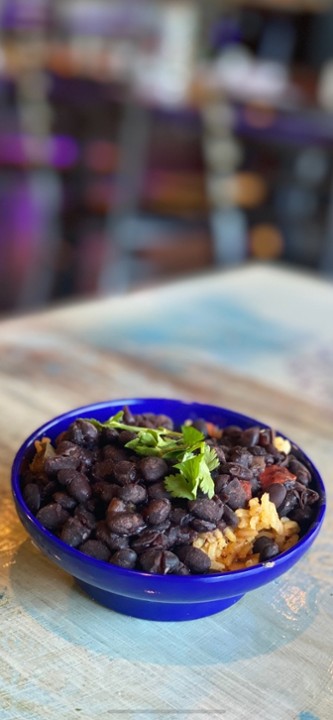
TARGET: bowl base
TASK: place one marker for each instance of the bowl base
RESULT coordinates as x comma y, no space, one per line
153,610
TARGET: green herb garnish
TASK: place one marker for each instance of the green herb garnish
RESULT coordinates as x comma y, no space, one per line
193,459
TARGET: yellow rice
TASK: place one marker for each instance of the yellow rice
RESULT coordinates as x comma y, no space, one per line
232,549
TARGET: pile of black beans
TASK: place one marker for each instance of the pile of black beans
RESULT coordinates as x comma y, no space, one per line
98,496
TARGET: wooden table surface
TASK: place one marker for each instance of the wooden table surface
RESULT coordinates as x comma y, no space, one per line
271,655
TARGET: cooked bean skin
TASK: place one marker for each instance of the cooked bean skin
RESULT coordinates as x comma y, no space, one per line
66,501
31,494
157,511
134,493
125,523
74,533
52,516
266,547
195,559
277,493
97,495
153,468
125,558
205,509
158,561
112,540
79,488
61,462
124,472
95,549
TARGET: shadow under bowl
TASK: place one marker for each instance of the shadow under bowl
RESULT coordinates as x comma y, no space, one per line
140,594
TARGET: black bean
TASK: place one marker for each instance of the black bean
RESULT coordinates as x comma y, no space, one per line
125,472
116,506
266,547
104,469
164,421
239,471
113,452
201,425
128,417
125,523
47,491
82,432
147,420
67,502
52,516
290,503
94,505
108,435
181,569
149,538
52,465
234,495
206,509
62,436
125,558
105,490
162,526
157,511
250,436
309,496
301,515
74,533
66,448
181,535
179,516
31,494
158,561
66,476
157,490
153,468
221,525
95,549
85,457
79,488
232,433
220,482
258,464
230,517
265,437
195,559
201,525
241,456
300,470
257,450
255,485
85,517
134,493
112,540
125,436
277,493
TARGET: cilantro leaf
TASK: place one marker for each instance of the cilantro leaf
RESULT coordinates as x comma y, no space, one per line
206,481
178,487
186,450
211,458
191,435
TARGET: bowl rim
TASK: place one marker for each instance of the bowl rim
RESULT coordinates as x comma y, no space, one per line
93,563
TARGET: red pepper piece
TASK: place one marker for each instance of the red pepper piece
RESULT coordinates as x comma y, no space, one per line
275,474
246,485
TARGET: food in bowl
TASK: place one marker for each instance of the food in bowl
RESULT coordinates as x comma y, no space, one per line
143,492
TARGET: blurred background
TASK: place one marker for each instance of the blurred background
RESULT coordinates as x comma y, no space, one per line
147,140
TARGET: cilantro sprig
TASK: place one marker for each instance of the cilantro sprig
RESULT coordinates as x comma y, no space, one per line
191,457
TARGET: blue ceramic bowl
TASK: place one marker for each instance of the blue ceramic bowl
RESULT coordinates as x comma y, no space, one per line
143,595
